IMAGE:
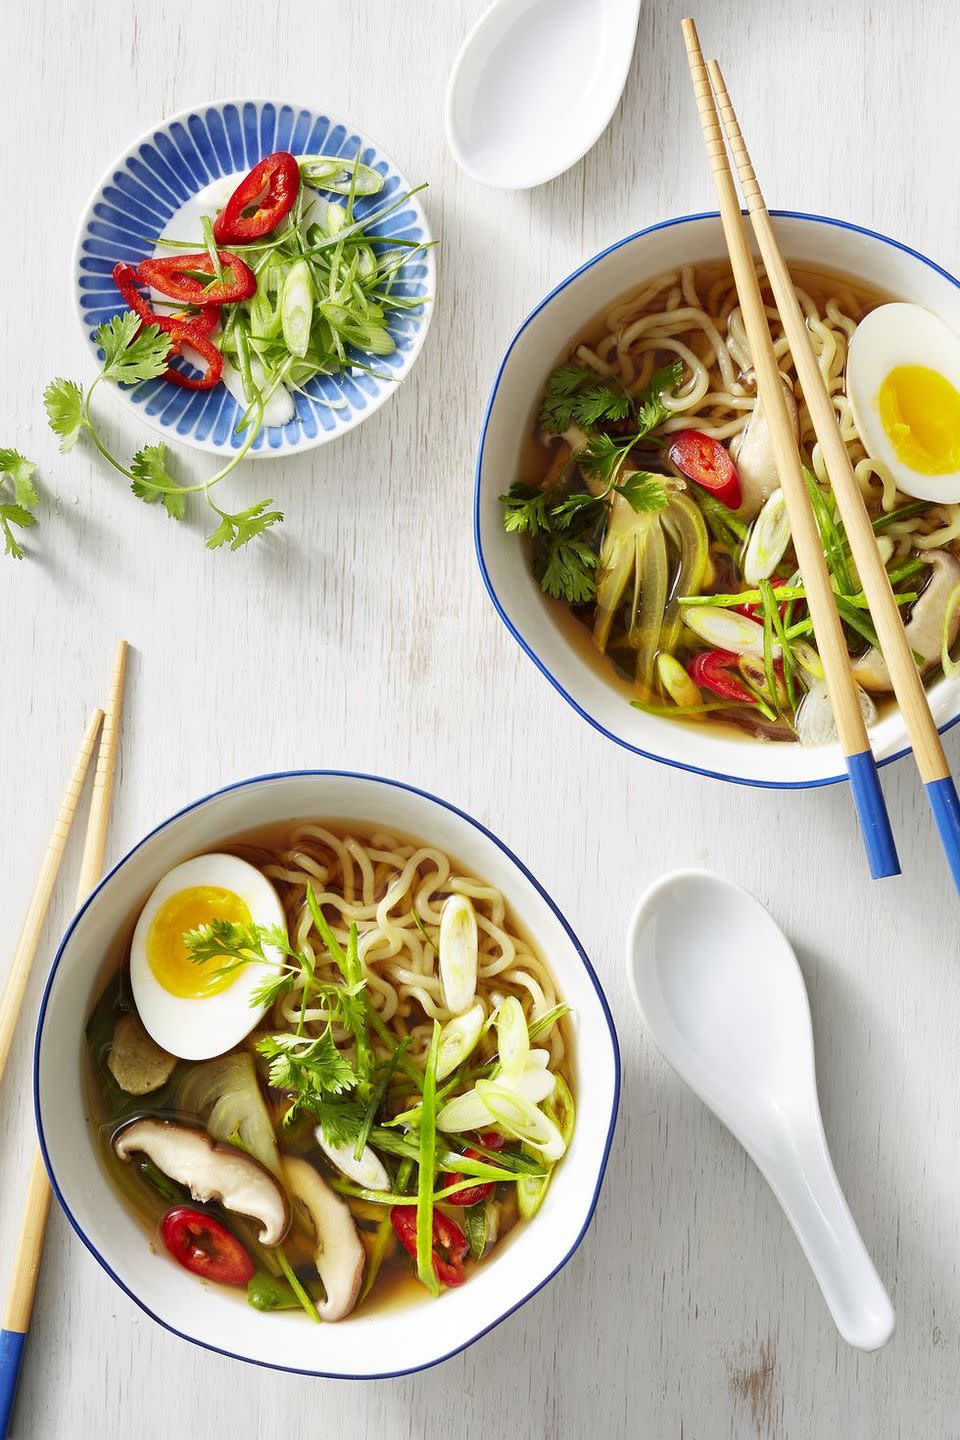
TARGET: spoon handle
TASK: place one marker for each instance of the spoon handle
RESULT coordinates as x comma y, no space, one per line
801,1175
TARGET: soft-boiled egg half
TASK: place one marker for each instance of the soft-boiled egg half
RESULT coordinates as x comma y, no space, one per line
903,382
186,1006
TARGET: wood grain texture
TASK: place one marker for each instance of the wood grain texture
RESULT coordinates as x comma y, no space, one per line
362,637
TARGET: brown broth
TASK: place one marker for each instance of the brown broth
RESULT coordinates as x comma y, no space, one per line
108,1108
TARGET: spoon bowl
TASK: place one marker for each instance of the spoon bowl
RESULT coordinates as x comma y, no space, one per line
722,994
534,86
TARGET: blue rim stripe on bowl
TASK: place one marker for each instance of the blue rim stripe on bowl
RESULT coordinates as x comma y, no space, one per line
478,542
591,974
168,165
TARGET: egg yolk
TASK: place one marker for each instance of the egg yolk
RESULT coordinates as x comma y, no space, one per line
167,955
920,411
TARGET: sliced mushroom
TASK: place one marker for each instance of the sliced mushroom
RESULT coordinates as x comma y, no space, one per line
924,629
752,452
210,1171
136,1061
340,1256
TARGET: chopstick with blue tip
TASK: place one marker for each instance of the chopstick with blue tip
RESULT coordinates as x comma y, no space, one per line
26,1269
875,828
908,684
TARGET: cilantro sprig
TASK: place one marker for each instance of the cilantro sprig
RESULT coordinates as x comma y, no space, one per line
134,353
314,1071
566,525
577,395
18,499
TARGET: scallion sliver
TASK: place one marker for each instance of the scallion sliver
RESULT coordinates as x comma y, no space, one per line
428,1152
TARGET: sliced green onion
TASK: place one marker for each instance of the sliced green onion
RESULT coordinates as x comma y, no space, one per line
458,1039
561,1109
428,1151
521,1119
727,631
530,1194
769,538
675,681
949,666
547,1020
476,1226
296,1285
296,307
464,1112
340,176
513,1042
808,659
459,947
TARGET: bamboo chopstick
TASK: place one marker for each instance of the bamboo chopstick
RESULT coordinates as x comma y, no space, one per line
907,682
842,689
12,1001
26,1268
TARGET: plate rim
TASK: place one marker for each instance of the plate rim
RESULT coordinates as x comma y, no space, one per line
323,437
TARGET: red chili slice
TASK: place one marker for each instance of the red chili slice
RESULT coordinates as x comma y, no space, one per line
706,462
205,1247
490,1140
450,1248
126,278
206,349
260,201
710,670
180,277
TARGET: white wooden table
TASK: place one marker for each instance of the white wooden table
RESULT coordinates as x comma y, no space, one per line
360,636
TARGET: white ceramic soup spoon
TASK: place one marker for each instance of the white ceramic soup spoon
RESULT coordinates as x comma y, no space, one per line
723,997
534,86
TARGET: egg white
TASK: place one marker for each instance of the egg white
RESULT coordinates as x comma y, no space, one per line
892,335
198,1029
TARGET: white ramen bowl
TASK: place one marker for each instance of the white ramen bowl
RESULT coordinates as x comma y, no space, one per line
539,344
391,1340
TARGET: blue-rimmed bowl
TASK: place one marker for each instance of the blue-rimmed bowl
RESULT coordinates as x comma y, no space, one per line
543,338
391,1340
141,193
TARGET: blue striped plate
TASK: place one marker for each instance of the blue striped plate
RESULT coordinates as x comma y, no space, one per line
146,187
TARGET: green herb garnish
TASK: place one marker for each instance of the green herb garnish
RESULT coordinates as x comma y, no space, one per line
566,525
18,498
129,358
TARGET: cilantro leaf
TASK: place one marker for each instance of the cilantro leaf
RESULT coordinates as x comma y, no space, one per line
63,402
603,456
240,529
603,401
153,481
566,570
20,472
577,395
128,356
19,516
340,1120
644,491
651,411
524,509
313,1072
16,480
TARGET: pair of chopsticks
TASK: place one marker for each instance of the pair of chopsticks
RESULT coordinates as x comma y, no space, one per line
37,1207
711,96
